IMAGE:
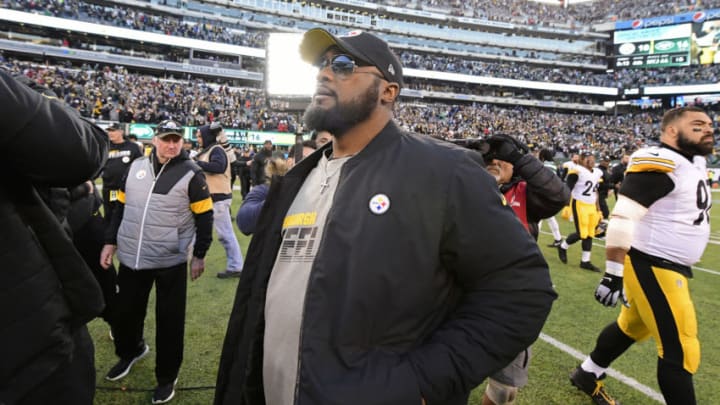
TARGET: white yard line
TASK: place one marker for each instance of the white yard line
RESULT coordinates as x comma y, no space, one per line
602,245
629,381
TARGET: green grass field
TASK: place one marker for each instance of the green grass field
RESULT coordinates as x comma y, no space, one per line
575,321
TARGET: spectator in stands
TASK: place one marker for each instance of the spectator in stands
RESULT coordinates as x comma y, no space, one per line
341,216
48,291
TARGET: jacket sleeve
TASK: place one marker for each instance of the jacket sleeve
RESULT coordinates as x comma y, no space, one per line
43,133
217,161
546,192
202,208
505,290
249,212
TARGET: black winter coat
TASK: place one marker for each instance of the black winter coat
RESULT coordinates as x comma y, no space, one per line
426,300
46,289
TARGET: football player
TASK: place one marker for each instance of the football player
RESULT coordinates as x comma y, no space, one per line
547,157
563,171
583,180
658,229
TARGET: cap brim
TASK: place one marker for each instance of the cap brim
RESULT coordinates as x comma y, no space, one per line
316,41
168,134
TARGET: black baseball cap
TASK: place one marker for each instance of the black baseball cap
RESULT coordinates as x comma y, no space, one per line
169,127
361,45
114,127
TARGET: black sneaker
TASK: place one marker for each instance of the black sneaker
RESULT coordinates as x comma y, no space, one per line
122,368
587,383
556,243
562,254
164,393
590,266
229,274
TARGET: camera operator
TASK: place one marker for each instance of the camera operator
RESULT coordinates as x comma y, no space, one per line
533,192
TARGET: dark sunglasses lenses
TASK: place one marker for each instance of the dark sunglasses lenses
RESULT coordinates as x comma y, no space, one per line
342,64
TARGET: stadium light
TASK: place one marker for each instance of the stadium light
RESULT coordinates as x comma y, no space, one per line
286,74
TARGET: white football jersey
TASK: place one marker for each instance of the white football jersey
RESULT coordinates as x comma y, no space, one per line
677,226
569,165
585,189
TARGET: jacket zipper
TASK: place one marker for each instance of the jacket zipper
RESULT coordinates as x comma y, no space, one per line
307,287
145,210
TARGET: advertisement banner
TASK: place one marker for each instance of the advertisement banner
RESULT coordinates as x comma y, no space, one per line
235,136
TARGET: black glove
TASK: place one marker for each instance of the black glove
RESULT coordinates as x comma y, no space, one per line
609,290
506,148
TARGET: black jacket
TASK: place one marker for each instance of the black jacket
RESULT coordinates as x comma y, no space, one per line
257,170
46,289
426,300
120,156
546,193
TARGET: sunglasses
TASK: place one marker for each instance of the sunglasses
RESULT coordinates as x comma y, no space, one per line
342,65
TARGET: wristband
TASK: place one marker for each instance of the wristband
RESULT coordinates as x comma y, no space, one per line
614,268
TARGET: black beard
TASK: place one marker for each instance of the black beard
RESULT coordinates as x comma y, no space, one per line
692,148
343,116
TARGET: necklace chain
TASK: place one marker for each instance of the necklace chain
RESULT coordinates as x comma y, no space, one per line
326,177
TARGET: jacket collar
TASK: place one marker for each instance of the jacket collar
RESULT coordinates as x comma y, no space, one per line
156,165
385,137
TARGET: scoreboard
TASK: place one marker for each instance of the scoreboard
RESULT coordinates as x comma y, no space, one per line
653,47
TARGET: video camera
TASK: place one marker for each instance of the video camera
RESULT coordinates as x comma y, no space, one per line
497,146
478,144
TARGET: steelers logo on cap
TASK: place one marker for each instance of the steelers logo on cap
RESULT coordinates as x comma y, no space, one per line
379,204
126,159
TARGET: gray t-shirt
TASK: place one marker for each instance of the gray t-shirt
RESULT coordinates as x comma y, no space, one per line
302,232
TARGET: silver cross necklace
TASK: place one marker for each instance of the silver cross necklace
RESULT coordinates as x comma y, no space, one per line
326,177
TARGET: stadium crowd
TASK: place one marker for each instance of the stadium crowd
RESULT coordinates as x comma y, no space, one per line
242,35
126,17
118,95
574,15
626,78
605,135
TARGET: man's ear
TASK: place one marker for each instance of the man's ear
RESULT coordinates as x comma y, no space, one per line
390,93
